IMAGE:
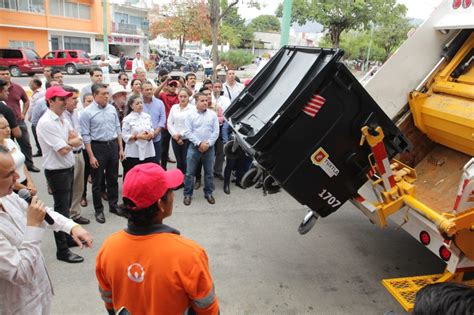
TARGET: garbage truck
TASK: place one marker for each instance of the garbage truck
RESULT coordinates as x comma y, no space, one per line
399,148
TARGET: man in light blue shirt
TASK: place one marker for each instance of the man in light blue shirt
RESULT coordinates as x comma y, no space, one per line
202,130
100,129
156,109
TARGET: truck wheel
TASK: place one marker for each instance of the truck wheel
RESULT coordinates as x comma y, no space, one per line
15,71
70,69
308,222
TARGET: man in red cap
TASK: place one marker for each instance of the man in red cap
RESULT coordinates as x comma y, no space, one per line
148,268
57,140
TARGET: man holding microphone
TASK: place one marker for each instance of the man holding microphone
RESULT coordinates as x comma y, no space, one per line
24,284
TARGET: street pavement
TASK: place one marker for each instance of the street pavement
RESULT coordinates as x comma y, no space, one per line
259,262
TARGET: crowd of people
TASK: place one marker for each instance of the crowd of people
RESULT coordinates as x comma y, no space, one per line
83,137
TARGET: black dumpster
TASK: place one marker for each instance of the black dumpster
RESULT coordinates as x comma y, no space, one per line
300,118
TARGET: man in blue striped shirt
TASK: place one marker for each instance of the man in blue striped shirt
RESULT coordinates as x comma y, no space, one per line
100,128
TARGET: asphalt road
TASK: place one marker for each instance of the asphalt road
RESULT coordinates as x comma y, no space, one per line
259,262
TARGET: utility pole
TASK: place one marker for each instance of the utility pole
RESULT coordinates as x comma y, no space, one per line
370,47
106,37
286,22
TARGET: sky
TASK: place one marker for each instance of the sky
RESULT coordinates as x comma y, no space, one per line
419,9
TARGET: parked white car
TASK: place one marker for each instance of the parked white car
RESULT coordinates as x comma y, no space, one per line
114,62
202,62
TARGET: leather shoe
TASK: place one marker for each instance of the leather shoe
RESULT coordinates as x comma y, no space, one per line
69,257
197,184
99,217
38,154
81,220
210,199
218,176
34,169
227,189
187,201
118,211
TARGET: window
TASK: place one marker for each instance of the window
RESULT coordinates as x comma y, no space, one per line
121,18
77,43
84,12
22,44
61,54
49,55
137,21
69,9
36,6
31,54
11,54
73,54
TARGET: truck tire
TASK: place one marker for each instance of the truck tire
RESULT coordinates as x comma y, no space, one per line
70,69
15,71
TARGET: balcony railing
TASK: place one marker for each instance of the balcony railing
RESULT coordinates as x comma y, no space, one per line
124,28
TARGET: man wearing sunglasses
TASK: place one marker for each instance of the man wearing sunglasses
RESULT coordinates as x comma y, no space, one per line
123,80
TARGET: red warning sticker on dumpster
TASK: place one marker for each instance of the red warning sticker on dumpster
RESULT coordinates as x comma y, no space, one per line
321,159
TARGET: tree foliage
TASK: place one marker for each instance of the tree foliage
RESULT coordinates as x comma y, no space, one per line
185,20
338,16
265,23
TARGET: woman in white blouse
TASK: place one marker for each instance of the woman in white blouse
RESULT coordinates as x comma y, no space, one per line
137,132
176,127
24,181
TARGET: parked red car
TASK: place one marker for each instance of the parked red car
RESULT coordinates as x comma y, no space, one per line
71,61
20,60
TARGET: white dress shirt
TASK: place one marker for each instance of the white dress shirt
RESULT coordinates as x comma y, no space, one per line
25,287
18,158
135,123
53,134
138,63
177,117
231,92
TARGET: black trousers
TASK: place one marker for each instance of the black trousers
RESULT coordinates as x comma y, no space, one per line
180,152
87,172
25,145
106,154
33,130
165,147
60,182
219,147
130,162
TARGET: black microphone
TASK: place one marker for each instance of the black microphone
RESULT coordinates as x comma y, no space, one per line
26,195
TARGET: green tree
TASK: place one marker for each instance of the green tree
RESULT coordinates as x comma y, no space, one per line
265,23
390,35
338,16
183,20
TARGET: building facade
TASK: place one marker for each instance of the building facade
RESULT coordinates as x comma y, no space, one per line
46,25
129,27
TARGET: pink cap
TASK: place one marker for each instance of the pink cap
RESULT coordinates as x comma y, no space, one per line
146,183
56,90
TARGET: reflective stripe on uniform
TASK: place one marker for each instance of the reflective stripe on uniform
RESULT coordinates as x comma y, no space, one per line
105,292
207,300
107,300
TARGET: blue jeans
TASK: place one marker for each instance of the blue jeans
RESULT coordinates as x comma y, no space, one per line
192,161
157,146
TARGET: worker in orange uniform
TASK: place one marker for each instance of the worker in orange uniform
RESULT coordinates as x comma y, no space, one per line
148,268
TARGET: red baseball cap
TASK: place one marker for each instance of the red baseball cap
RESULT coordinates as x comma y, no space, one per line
56,91
146,183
